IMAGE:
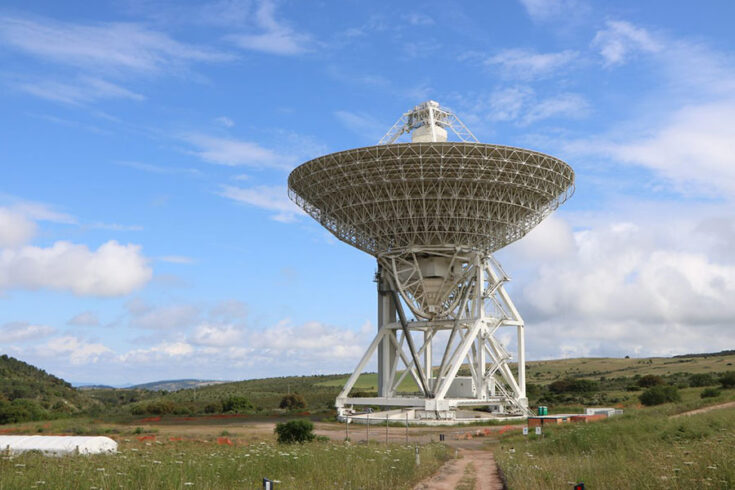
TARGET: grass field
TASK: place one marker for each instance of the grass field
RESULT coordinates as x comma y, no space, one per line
642,449
543,372
191,464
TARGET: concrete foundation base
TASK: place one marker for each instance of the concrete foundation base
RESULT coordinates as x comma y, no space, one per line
415,417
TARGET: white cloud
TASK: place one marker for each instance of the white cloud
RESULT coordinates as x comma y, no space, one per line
271,198
695,149
549,10
232,152
621,39
521,105
21,331
224,121
217,335
85,319
39,211
15,229
162,352
84,89
276,37
651,286
78,351
158,169
526,64
102,46
419,19
311,341
571,106
111,270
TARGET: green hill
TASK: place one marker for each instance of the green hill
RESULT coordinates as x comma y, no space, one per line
29,393
176,384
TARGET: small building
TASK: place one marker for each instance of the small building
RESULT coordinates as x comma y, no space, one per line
57,445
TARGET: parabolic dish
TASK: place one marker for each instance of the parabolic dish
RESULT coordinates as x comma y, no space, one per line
390,198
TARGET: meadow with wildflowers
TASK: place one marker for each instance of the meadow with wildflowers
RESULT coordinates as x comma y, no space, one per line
217,464
645,449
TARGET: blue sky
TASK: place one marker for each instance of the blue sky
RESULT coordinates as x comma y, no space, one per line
145,230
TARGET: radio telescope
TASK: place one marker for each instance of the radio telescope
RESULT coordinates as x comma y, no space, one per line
432,212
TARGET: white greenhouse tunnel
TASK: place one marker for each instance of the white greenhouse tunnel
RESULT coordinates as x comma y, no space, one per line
57,445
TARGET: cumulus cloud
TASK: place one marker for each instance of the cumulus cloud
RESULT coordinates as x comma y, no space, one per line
15,229
161,352
111,270
312,341
22,331
695,148
217,335
77,351
624,287
271,198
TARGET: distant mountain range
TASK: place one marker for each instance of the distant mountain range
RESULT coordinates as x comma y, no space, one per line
176,384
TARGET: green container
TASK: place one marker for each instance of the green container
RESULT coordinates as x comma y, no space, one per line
546,410
543,410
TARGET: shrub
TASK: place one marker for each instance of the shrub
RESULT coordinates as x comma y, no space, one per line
237,404
213,407
292,401
650,380
21,410
656,395
295,431
710,393
728,380
572,386
699,380
160,407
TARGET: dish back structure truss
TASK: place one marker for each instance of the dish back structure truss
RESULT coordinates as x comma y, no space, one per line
432,212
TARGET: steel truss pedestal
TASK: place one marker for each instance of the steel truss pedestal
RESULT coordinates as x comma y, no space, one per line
459,303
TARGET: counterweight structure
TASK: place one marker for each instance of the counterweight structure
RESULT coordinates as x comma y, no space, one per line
432,212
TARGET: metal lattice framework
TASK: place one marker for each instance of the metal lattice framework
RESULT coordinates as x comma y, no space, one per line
432,212
387,198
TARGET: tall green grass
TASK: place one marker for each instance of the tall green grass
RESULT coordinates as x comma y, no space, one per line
192,465
646,449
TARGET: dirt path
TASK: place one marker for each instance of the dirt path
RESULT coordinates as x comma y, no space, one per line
482,469
705,409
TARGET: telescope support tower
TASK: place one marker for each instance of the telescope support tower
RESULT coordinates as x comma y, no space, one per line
475,309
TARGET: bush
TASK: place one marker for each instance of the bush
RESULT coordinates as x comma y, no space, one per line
572,386
699,380
21,410
728,380
710,393
293,401
650,380
295,431
656,395
160,407
213,407
237,404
